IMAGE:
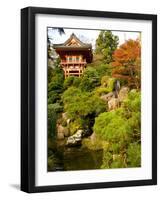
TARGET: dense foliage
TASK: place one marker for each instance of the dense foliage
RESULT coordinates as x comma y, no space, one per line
82,107
71,81
121,129
55,83
53,114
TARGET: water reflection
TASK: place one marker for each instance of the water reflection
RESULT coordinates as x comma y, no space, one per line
62,158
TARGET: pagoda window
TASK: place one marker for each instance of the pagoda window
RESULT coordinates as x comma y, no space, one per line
69,59
77,58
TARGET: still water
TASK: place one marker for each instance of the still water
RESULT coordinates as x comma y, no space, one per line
64,158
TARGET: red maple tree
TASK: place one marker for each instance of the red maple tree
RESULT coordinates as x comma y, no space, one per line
127,63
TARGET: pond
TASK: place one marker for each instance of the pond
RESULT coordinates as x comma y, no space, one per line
62,158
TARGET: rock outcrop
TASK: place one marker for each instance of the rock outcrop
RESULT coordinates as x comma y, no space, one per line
75,140
113,100
62,132
113,104
108,96
123,93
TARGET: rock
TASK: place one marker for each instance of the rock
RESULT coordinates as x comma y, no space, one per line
78,134
108,96
66,132
60,136
113,104
93,137
123,93
75,140
68,121
64,117
62,132
72,142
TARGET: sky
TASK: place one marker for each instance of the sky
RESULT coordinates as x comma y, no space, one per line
88,36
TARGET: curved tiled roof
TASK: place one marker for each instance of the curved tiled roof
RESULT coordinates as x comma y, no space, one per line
78,45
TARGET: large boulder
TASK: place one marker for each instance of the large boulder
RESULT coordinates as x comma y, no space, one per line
62,132
66,132
123,93
75,140
113,104
108,96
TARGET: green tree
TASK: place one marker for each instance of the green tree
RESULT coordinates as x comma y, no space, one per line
71,81
106,44
82,108
81,104
112,126
134,155
55,83
90,79
53,113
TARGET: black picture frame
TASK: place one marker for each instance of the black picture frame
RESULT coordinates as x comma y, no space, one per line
28,98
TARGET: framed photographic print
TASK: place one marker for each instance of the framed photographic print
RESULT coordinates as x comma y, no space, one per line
88,99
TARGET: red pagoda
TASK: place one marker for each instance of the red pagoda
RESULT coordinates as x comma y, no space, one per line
74,55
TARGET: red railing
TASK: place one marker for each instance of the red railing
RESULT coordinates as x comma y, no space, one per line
73,62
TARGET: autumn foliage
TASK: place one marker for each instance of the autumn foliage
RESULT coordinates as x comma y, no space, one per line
127,63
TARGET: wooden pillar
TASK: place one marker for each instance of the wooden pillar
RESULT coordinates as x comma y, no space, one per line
65,73
67,70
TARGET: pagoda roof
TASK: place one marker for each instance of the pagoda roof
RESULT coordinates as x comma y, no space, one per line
73,43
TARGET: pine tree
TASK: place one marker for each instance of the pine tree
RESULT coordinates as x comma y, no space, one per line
106,44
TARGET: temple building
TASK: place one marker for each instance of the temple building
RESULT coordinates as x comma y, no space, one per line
74,55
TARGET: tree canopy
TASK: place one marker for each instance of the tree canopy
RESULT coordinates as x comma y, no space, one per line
127,63
81,104
106,44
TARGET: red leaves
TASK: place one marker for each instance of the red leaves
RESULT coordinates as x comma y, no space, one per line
130,50
127,60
